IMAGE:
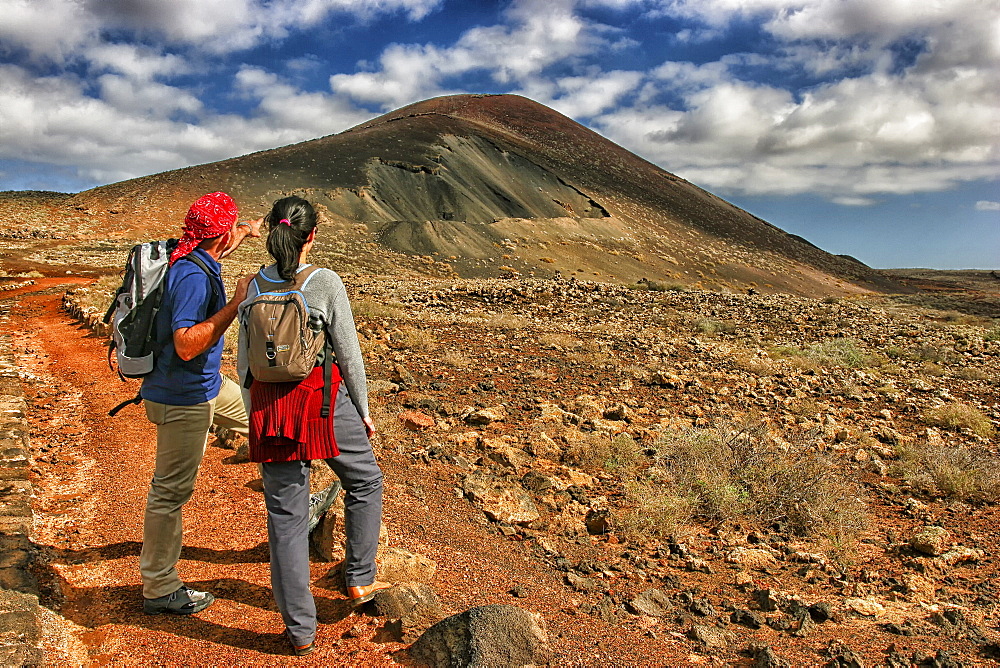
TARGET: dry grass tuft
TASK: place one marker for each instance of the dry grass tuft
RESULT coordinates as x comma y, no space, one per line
624,454
653,512
505,321
943,471
413,338
730,472
590,453
369,309
959,415
832,352
558,341
711,327
455,358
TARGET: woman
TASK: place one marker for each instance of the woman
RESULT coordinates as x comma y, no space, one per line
284,447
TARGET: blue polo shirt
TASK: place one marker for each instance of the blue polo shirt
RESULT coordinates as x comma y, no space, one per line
187,299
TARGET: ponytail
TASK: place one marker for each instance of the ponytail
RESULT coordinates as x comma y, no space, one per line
291,221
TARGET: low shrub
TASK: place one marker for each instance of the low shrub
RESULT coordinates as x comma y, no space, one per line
369,309
413,338
959,415
590,453
653,512
730,471
711,326
559,341
943,471
455,358
98,295
832,352
624,454
971,373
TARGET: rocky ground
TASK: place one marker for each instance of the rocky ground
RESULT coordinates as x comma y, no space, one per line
675,477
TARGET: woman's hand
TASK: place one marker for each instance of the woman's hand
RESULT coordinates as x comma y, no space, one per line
369,426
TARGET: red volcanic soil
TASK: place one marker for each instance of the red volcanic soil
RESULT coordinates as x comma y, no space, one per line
91,476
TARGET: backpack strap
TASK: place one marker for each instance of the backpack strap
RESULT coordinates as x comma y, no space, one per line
216,295
327,376
137,399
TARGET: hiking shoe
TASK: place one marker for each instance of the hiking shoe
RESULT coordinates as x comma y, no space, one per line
184,601
300,650
320,502
361,595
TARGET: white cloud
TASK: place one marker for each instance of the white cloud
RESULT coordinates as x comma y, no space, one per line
582,96
298,114
985,205
57,30
536,35
136,62
130,130
853,201
46,29
222,26
899,126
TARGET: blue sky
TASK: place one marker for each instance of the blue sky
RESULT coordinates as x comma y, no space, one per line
870,128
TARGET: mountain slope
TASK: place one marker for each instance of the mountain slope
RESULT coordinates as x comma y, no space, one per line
494,185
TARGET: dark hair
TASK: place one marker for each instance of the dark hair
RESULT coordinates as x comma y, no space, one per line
291,221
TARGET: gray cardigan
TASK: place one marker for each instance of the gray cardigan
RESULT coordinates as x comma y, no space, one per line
329,308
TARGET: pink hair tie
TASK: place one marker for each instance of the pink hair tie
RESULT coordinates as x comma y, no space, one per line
285,221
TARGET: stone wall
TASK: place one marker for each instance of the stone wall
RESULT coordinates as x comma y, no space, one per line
20,630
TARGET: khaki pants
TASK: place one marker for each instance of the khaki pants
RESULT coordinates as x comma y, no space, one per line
181,437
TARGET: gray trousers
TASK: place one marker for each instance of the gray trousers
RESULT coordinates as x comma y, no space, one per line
286,495
181,436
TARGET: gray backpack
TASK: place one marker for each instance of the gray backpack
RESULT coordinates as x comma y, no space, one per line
133,311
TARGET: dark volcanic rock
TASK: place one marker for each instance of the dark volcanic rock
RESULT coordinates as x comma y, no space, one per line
488,636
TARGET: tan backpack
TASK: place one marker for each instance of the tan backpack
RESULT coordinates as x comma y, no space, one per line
281,348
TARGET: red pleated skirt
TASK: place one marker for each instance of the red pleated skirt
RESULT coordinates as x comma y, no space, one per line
285,421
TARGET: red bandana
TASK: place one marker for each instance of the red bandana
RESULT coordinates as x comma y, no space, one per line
211,216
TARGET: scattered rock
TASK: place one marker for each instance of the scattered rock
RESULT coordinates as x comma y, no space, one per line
747,618
411,609
598,522
751,557
711,636
398,565
864,606
586,584
652,602
932,540
509,457
489,636
520,591
485,416
767,600
500,501
416,421
960,555
765,657
841,656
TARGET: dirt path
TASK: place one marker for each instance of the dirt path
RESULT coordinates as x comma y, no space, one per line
91,477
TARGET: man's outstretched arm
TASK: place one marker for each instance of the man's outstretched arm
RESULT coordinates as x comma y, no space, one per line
189,342
241,231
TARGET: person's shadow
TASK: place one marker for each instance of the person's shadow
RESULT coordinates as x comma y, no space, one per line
92,607
131,548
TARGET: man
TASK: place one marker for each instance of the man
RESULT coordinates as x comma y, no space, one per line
186,392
